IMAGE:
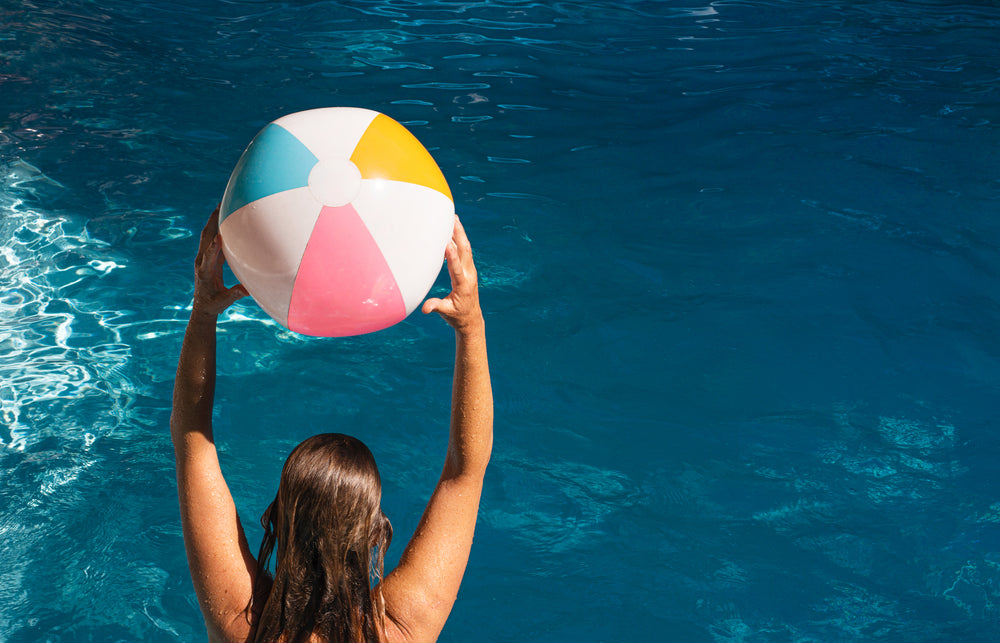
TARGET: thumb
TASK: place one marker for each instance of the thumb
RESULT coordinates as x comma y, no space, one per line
232,294
430,305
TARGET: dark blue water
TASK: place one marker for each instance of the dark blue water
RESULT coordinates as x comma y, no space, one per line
739,263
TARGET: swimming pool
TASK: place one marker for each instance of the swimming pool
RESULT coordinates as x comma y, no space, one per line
739,266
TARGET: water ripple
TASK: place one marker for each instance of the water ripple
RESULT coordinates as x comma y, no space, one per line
63,359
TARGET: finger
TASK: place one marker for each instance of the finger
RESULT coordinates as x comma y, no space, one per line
211,228
459,236
210,257
217,255
461,241
456,261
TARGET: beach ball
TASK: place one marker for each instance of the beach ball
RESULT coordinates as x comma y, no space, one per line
336,221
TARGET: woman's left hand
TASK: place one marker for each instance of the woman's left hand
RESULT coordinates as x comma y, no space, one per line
211,296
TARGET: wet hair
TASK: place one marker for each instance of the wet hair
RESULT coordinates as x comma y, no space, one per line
328,536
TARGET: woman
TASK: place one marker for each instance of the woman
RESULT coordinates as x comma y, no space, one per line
325,529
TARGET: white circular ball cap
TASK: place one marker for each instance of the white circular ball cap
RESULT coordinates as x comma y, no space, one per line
335,182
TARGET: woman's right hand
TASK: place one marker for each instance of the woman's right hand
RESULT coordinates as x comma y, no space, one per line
419,594
460,308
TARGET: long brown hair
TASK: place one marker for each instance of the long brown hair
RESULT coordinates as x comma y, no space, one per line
329,535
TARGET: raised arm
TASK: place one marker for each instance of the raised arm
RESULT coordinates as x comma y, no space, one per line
219,558
420,592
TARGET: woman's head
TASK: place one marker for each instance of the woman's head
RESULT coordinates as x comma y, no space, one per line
328,535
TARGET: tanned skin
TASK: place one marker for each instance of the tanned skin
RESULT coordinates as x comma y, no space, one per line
419,593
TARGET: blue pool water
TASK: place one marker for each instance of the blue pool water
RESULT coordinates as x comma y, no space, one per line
739,263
